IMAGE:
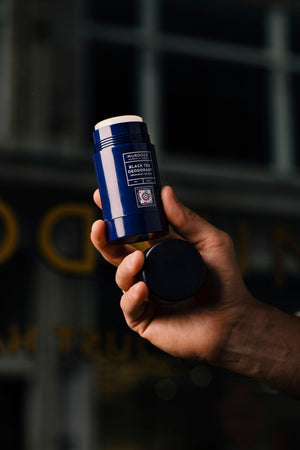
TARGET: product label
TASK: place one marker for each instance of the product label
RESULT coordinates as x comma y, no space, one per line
139,168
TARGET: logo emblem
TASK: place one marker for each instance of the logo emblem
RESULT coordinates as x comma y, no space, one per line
145,197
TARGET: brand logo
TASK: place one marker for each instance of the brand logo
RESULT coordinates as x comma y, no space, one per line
145,197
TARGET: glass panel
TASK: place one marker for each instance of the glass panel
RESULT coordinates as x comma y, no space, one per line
222,21
110,79
115,12
294,32
214,109
14,303
295,83
11,414
1,66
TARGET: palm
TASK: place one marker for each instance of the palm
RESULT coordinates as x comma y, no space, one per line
195,327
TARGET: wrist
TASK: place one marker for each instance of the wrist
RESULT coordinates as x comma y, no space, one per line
240,345
263,343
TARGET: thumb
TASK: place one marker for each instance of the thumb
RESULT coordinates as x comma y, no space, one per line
186,222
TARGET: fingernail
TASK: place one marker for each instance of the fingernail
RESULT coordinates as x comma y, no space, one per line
95,224
93,227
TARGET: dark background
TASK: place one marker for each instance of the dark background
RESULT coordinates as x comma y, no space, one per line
218,85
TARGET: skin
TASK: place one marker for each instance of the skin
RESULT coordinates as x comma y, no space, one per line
223,324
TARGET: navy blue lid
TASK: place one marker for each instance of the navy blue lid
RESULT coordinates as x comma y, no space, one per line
173,270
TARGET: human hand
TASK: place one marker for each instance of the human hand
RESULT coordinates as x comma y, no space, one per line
198,327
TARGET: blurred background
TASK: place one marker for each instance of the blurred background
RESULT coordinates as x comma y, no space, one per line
218,84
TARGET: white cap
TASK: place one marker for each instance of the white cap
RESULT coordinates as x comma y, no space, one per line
118,119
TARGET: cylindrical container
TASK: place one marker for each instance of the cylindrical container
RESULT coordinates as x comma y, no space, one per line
128,180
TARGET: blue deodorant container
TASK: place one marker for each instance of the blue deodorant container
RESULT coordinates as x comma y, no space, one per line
128,180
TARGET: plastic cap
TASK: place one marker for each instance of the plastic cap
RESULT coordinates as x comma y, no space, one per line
173,270
117,119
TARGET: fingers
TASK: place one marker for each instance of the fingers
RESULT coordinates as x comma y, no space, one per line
115,253
129,269
187,223
97,198
134,302
136,307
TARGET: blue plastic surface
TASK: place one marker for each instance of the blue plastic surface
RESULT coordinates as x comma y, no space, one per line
129,182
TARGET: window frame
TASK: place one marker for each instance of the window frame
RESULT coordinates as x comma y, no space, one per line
275,56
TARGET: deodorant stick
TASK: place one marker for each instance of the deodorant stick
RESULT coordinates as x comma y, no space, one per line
128,180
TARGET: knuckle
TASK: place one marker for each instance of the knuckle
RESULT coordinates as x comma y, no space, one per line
186,217
224,240
220,239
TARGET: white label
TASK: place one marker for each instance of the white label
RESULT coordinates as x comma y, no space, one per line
139,168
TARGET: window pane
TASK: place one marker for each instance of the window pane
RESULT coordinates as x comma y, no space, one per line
213,20
295,83
214,110
118,12
294,33
110,80
11,415
14,305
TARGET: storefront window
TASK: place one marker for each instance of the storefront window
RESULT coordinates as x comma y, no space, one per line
295,83
110,82
294,32
113,12
220,21
214,109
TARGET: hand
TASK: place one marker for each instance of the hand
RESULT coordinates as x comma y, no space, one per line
199,327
